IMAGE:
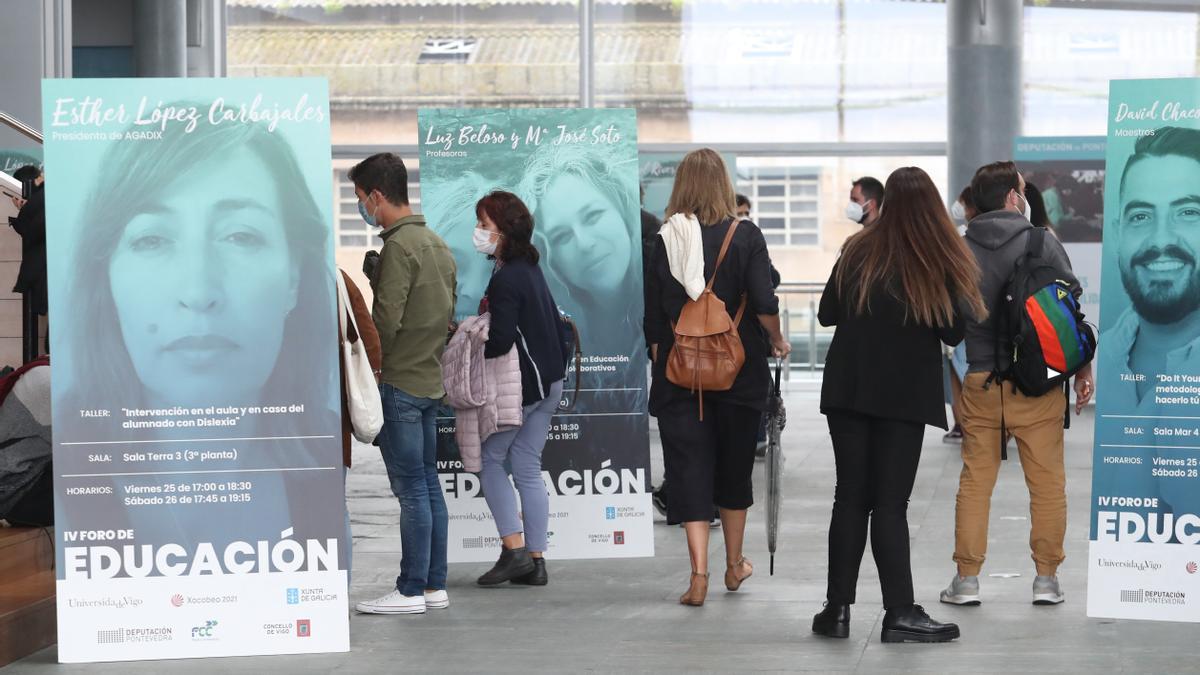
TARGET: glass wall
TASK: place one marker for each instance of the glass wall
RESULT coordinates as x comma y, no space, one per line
781,84
1071,54
755,71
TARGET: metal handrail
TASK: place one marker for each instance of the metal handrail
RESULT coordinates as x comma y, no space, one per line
810,294
20,127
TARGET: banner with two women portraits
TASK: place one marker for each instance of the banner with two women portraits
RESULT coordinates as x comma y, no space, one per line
199,502
197,453
577,171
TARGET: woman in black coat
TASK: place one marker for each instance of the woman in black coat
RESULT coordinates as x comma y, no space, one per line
709,458
896,294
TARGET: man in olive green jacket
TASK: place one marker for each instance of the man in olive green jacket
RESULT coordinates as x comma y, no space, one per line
414,303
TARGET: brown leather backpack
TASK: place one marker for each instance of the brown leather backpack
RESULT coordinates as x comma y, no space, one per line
708,352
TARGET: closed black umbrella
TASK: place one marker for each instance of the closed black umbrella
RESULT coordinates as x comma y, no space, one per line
776,419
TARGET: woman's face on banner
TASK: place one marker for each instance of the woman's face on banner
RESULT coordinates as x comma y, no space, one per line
203,283
587,237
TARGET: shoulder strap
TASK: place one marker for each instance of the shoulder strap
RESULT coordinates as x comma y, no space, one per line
1036,242
724,249
346,310
577,352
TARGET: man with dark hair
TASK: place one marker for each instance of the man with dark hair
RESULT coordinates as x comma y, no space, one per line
743,211
743,206
1158,255
414,303
998,237
651,224
30,223
866,196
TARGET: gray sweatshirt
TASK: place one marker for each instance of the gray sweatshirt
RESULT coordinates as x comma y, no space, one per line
997,239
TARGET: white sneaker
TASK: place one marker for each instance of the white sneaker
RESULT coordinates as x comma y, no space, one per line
962,591
393,603
437,599
1046,591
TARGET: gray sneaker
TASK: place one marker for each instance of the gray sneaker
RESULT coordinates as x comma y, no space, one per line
962,591
1046,591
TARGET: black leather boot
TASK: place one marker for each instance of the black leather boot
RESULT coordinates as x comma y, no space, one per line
912,624
513,563
833,621
537,577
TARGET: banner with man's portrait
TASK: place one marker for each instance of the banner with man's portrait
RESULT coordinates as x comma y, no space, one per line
199,504
1145,510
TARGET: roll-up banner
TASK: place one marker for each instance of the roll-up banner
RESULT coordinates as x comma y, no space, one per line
656,171
12,159
1145,525
198,482
577,171
1069,173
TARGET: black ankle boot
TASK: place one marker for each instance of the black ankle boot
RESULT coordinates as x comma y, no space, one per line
912,624
513,563
833,621
537,577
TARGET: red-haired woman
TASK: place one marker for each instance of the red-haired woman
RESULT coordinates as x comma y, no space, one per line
524,317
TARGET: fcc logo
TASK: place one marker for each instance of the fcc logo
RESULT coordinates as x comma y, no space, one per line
204,632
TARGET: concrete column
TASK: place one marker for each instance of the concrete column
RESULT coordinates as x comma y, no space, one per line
985,38
587,53
160,38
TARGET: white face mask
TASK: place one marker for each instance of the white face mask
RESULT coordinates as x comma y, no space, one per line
1026,211
855,212
957,212
483,241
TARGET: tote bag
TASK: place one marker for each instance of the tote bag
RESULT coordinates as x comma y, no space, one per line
362,392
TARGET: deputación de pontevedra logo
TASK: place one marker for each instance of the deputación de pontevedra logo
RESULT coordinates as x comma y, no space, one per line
1144,596
111,636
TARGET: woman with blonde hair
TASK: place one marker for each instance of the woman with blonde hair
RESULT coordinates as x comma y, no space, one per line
901,288
708,441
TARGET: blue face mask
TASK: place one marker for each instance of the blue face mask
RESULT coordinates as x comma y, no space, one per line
367,217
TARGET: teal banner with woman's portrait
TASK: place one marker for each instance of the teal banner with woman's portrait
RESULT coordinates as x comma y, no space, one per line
199,502
577,171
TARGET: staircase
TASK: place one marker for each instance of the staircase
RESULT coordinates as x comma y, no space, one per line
27,609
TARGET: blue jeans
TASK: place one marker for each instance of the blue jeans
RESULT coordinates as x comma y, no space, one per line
522,449
409,449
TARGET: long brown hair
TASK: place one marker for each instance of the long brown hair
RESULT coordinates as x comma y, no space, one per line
702,188
913,242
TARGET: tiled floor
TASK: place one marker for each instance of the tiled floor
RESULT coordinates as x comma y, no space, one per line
622,615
